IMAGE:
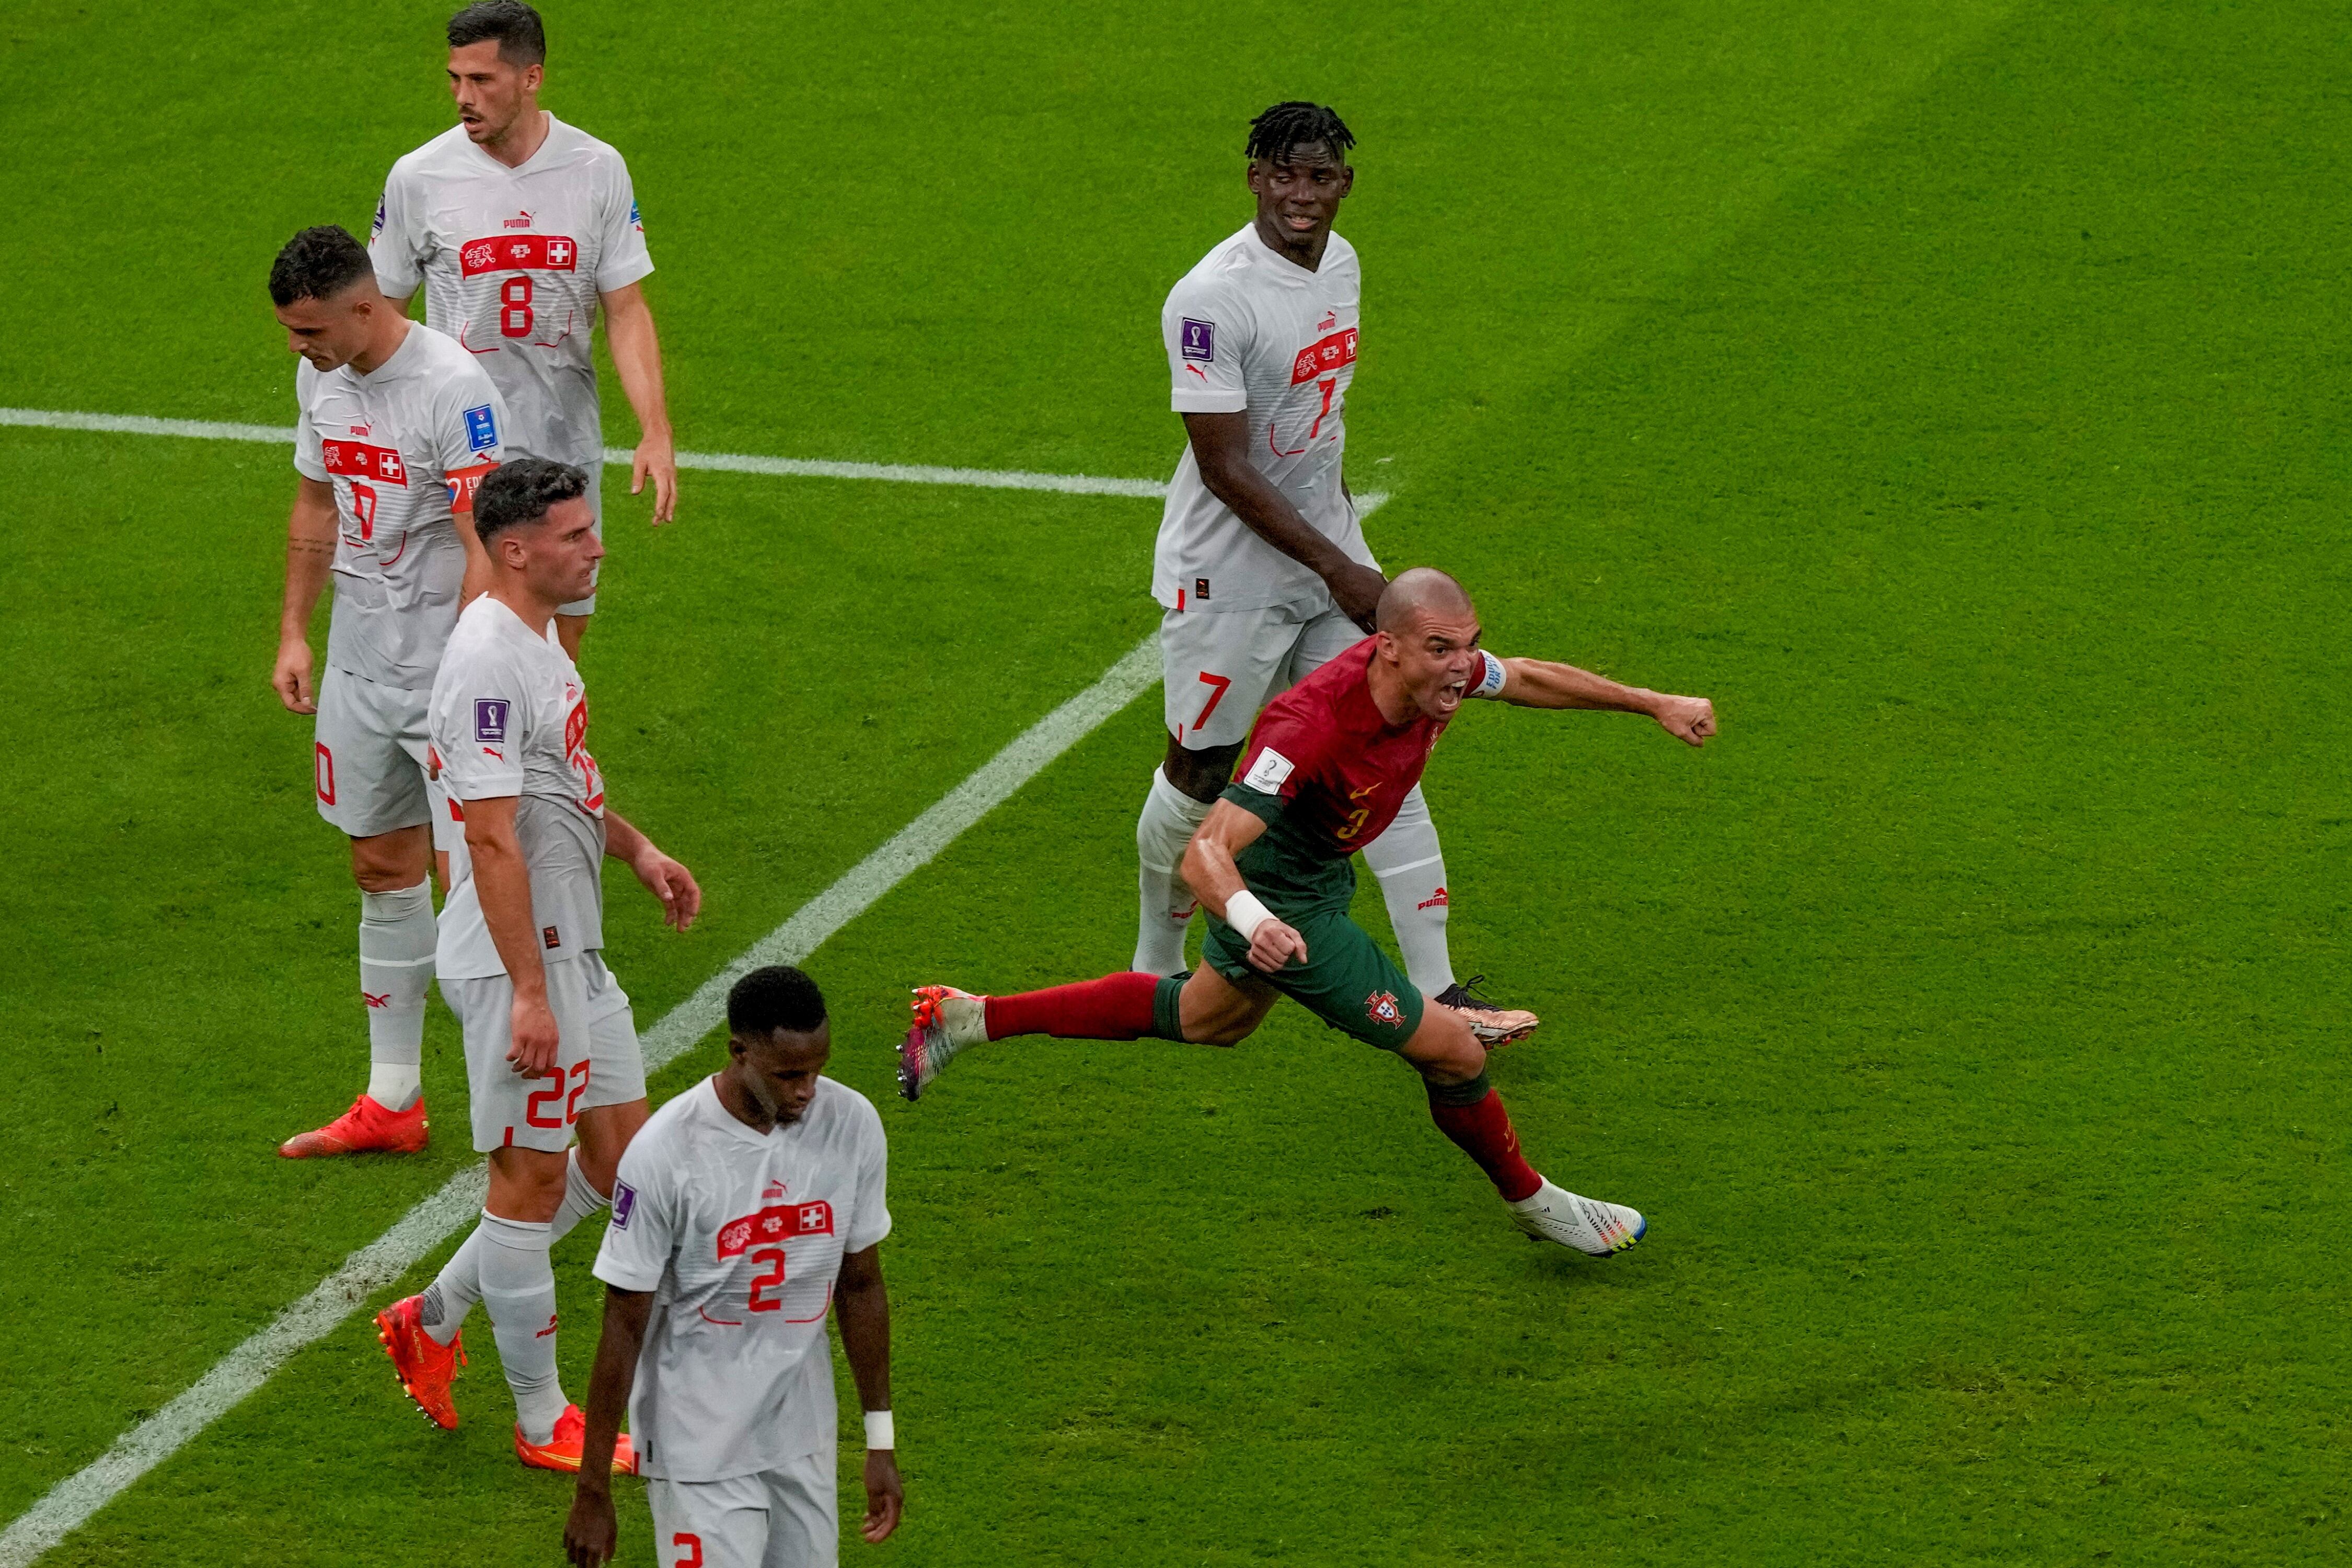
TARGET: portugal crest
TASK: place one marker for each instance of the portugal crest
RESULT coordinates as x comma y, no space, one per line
1382,1008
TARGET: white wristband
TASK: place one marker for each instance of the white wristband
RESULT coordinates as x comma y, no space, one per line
877,1430
1245,914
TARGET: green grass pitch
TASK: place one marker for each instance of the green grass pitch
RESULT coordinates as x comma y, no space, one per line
1951,390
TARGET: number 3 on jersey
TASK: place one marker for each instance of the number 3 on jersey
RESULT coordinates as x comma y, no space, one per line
514,306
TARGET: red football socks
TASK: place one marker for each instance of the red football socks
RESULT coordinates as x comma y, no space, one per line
1484,1131
1116,1008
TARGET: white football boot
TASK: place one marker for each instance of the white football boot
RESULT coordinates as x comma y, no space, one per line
946,1020
1592,1227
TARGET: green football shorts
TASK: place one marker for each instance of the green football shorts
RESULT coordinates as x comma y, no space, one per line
1347,981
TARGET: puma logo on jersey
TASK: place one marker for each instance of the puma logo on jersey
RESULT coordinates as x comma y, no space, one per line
1330,319
521,220
359,430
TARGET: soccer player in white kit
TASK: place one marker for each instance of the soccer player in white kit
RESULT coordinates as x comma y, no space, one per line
519,227
551,1046
397,425
750,1206
1261,566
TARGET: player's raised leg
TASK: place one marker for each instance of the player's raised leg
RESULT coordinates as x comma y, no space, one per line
1203,1008
1469,1110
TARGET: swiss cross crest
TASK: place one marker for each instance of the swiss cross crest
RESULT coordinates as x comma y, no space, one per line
1381,1006
387,465
558,253
482,253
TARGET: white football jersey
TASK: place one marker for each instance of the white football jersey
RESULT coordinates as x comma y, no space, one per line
404,448
740,1234
512,261
1251,329
510,717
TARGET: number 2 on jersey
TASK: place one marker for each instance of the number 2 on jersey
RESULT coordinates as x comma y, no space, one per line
514,310
771,1280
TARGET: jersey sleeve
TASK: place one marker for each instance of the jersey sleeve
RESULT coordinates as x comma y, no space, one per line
478,727
395,242
468,436
1283,754
641,1234
622,257
310,449
870,1221
1206,329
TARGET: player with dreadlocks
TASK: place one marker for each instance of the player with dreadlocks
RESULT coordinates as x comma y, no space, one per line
1261,568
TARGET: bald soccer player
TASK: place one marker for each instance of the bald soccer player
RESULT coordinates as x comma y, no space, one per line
1324,772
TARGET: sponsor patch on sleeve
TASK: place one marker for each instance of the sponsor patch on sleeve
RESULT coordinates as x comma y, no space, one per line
624,1203
1492,681
382,202
1266,774
490,719
481,429
634,221
1199,341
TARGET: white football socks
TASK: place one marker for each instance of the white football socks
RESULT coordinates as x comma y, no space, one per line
519,1292
1164,900
397,942
1412,871
458,1286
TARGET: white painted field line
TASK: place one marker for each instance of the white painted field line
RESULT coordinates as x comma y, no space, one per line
727,462
245,1369
619,456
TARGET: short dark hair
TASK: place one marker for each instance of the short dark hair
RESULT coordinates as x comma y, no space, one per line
520,491
775,997
317,264
1298,123
521,37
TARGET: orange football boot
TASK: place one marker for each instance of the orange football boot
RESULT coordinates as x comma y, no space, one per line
425,1366
367,1128
561,1452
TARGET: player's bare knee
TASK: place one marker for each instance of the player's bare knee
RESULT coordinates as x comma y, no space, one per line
1443,1049
389,862
1202,774
526,1184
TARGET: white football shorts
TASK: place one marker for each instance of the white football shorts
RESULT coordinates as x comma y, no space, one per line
367,760
597,1059
1219,667
587,607
785,1518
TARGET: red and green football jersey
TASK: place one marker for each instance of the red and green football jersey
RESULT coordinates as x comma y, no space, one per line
1327,773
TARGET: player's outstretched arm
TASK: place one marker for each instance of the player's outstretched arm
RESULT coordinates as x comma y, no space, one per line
665,879
1539,683
861,1308
590,1534
1221,449
637,358
1217,880
310,557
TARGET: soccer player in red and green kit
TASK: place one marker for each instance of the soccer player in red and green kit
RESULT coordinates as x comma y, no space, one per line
1323,772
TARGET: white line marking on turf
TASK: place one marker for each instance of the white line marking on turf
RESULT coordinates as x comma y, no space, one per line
620,456
245,1369
731,462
